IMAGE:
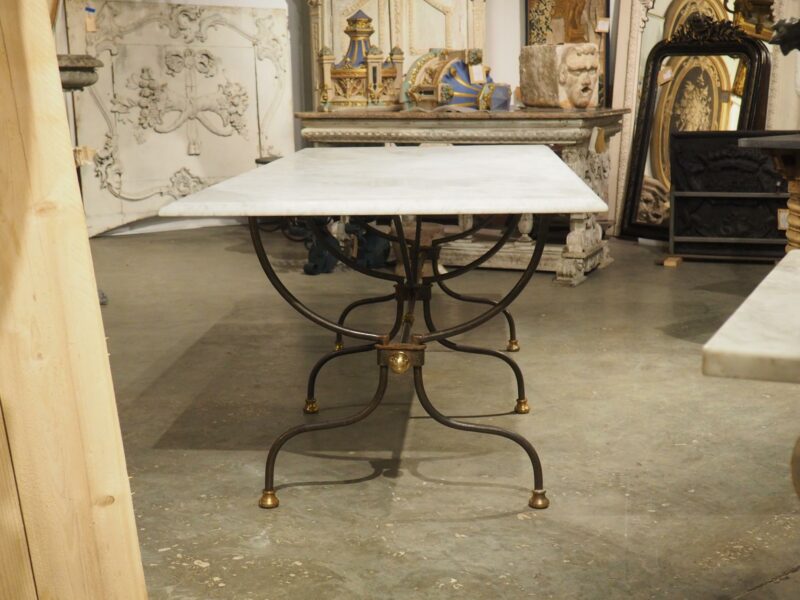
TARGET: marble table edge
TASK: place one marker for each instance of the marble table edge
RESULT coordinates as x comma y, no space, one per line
199,209
725,364
726,353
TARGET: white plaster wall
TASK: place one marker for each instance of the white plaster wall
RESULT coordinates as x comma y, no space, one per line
505,30
783,109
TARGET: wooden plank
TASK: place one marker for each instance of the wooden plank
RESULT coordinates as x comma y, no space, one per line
55,381
16,573
796,467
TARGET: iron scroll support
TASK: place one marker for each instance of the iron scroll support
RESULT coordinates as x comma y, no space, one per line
407,353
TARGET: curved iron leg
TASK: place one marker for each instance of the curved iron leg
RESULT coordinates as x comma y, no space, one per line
541,240
311,406
538,498
352,306
269,271
268,497
513,342
522,407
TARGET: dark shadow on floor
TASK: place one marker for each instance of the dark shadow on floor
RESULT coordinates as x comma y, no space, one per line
696,331
731,287
244,382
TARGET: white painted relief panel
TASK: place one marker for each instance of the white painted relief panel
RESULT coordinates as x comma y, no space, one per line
189,95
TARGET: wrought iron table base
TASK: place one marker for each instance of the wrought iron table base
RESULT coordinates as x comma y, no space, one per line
521,407
400,349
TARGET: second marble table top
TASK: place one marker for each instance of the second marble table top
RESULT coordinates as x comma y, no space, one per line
418,180
762,338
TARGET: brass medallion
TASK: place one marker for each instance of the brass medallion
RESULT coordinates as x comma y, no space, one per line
399,362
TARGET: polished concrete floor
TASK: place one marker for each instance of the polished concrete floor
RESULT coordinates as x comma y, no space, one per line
664,483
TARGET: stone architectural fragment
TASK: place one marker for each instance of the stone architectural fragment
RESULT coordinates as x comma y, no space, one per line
560,75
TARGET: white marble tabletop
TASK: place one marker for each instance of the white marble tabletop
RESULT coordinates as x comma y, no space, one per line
426,180
762,338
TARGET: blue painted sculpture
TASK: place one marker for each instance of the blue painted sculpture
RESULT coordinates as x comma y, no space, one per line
453,79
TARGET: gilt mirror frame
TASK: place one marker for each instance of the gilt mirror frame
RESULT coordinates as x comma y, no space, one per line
700,36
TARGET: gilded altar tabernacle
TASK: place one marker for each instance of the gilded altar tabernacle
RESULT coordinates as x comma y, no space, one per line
364,78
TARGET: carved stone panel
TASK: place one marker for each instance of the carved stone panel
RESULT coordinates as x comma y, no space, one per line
189,96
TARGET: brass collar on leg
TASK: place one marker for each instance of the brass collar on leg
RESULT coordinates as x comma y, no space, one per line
401,357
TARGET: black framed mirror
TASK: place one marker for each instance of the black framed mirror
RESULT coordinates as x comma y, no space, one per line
708,76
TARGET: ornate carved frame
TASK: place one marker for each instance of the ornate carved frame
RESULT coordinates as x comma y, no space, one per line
665,107
625,94
701,36
679,11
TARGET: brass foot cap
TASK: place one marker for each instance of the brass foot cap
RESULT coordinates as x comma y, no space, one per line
522,407
268,500
311,407
513,346
539,500
338,347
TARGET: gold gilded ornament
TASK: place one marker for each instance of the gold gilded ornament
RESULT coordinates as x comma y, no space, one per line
399,362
